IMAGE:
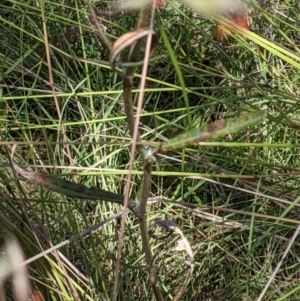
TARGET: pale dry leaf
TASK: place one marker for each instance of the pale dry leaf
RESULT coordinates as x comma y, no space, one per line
10,264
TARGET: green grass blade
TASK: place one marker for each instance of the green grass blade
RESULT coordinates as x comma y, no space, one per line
70,188
213,130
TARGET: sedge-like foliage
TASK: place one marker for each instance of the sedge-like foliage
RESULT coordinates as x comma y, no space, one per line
248,176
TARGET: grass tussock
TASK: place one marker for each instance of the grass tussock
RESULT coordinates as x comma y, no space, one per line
62,106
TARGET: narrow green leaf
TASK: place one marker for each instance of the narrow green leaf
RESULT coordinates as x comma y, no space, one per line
213,130
72,189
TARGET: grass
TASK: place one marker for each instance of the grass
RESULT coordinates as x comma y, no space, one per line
240,193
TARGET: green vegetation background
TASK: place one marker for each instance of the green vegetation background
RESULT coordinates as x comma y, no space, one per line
252,177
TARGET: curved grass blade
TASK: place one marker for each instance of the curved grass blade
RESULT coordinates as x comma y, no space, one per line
72,189
182,245
212,130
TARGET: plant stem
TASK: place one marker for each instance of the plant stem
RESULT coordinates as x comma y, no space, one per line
146,185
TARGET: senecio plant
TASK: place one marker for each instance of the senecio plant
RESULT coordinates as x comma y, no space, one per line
141,44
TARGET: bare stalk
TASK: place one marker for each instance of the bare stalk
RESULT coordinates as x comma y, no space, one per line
148,162
127,82
152,276
133,125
